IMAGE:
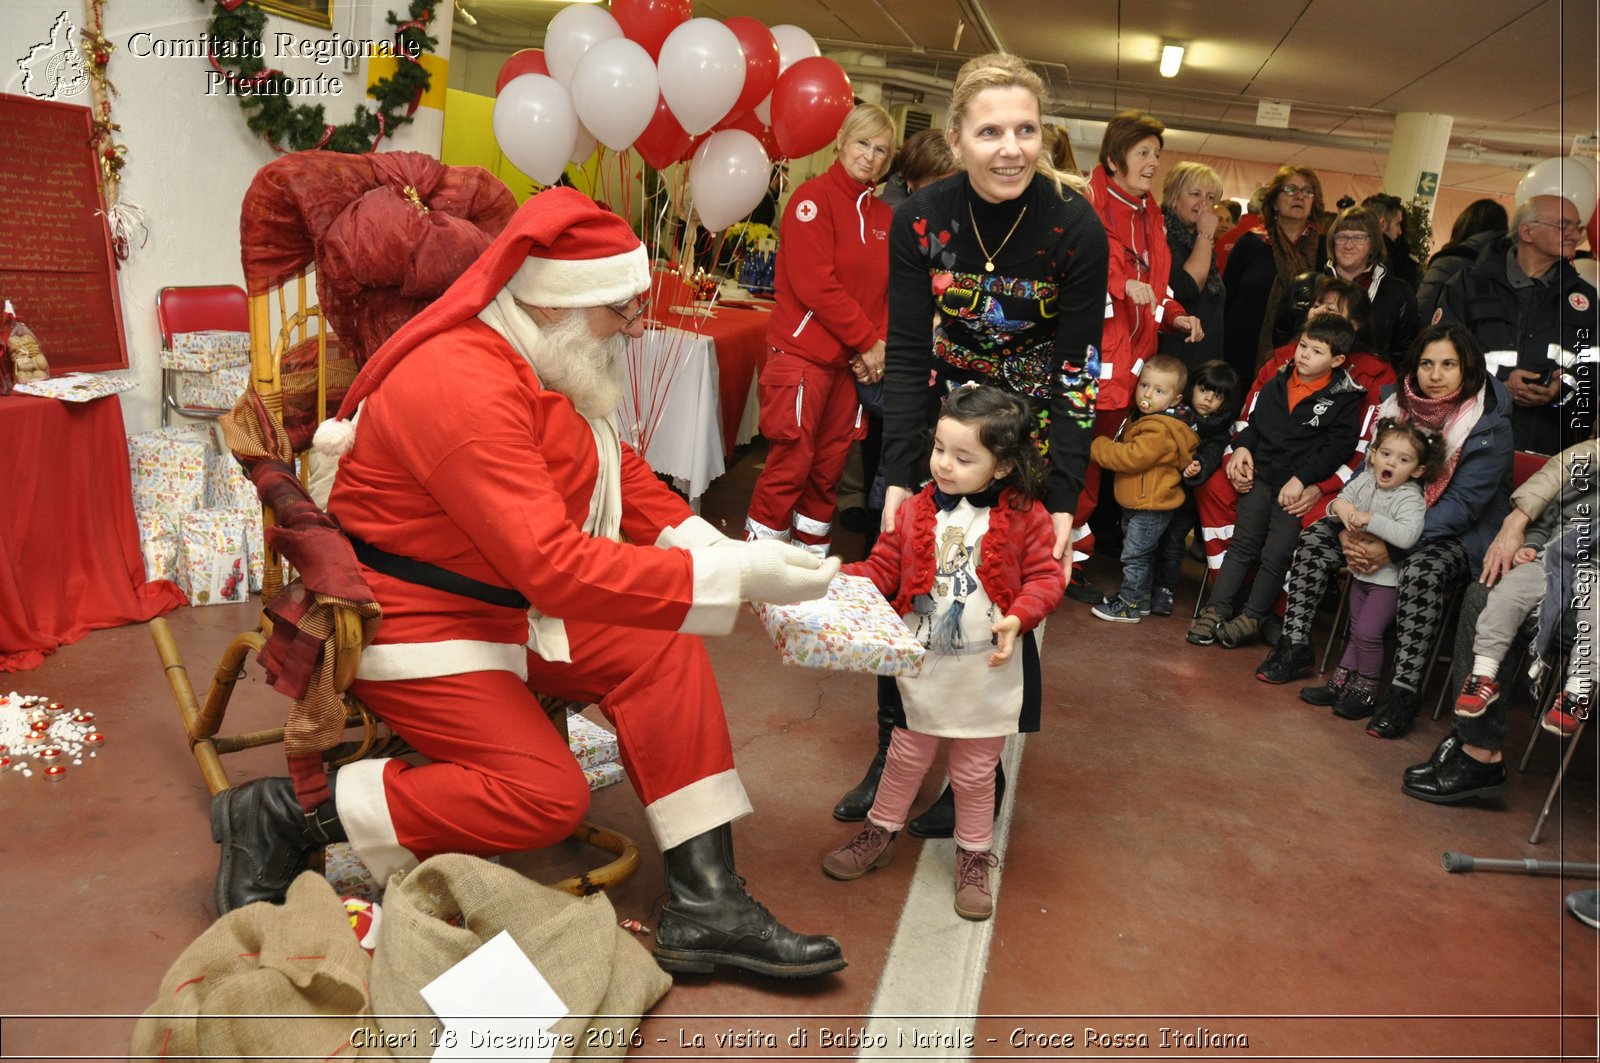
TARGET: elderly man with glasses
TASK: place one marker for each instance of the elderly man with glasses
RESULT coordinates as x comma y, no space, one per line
1536,318
517,546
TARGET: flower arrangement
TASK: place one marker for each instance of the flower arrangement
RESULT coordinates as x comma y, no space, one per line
753,235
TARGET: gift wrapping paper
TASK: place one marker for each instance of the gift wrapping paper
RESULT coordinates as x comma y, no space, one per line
217,389
205,351
604,775
592,744
76,387
851,629
158,541
169,469
214,563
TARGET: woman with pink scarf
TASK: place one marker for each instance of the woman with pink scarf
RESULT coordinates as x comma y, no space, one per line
1445,389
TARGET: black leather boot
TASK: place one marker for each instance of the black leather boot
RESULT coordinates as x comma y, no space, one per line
1395,714
1460,778
854,805
1443,752
711,919
266,840
939,821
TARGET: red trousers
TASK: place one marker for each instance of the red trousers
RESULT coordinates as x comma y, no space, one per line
1106,424
810,414
502,779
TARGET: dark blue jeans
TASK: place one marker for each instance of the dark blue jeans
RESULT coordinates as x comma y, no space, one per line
1142,534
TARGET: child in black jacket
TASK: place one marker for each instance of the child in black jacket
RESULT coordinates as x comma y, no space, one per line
1214,398
1305,424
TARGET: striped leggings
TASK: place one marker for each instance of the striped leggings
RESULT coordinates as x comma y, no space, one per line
1428,579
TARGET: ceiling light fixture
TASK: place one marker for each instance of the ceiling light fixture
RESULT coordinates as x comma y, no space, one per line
466,16
1171,58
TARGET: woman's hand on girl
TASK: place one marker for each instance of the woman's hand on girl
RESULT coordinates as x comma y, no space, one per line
1062,550
892,497
1005,640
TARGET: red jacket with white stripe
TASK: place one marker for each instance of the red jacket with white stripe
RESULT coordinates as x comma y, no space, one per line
1130,329
832,276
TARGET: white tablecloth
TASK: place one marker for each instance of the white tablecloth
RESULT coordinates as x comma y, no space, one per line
670,408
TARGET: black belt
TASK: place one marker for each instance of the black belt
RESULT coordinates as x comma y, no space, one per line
440,579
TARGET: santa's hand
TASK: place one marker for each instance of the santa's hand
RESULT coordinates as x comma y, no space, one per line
773,571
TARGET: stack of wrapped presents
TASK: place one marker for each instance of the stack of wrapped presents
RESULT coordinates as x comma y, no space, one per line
210,370
199,519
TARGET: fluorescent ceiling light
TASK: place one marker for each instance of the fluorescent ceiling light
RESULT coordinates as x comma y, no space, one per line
1171,59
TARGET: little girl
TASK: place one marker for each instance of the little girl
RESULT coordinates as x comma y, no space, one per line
1384,501
969,567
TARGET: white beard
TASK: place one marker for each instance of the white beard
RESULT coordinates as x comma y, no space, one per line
569,358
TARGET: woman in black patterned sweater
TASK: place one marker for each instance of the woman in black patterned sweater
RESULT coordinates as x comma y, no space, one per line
1007,264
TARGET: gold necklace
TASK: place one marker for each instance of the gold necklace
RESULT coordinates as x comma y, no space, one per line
988,259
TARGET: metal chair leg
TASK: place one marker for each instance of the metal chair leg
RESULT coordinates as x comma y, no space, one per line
1341,617
1544,697
1206,574
1555,787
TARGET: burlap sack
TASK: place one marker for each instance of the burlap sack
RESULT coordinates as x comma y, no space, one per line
605,977
267,981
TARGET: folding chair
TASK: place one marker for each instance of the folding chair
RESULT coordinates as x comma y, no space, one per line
299,375
1550,688
195,308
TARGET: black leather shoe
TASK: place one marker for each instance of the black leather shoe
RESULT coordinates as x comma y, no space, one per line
1288,661
1081,590
1323,695
1393,718
1441,753
1354,705
1460,778
939,821
266,840
712,920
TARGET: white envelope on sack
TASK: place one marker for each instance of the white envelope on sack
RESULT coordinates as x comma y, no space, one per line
495,1005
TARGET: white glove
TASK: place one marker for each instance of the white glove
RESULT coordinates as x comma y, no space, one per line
773,571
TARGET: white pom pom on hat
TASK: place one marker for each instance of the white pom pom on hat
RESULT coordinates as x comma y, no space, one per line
334,438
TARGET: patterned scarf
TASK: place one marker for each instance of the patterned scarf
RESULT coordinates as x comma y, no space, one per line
1451,417
1182,241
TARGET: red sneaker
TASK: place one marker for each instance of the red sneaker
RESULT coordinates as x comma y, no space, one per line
1564,716
1477,694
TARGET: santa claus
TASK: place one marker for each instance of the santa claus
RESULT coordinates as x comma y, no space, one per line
504,529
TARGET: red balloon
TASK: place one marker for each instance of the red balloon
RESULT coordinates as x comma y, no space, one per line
748,122
663,141
760,60
809,104
527,61
648,22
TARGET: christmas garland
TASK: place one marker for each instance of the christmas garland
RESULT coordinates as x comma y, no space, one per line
235,32
125,220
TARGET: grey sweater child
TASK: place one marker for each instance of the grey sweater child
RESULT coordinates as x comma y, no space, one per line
1397,518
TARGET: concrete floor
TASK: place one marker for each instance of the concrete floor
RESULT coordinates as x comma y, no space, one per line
1187,850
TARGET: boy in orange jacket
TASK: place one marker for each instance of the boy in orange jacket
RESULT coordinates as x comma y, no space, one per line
1148,458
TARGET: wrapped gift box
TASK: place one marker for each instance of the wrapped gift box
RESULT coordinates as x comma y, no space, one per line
592,744
214,566
206,351
852,629
217,389
158,541
604,775
169,469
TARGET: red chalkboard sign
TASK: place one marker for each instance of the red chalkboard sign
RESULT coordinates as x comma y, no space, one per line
56,263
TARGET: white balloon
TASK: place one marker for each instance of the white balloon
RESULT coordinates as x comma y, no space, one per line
763,110
702,73
794,44
535,126
614,91
727,177
1588,269
1563,176
571,33
584,147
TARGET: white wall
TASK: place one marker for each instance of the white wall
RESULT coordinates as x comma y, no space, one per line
190,156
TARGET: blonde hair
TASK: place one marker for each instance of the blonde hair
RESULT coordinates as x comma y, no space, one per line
1187,175
1002,70
866,120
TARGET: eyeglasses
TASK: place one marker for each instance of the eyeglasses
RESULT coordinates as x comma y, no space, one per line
1565,225
1296,191
1351,238
627,318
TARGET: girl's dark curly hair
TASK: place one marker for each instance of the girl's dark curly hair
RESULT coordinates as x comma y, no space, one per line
1004,423
1430,447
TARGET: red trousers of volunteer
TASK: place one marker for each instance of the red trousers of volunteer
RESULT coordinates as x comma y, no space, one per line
503,780
1106,424
810,414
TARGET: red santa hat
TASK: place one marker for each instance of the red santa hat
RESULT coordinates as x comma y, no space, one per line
561,250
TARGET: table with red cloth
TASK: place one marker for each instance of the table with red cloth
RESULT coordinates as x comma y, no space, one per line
69,542
740,336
